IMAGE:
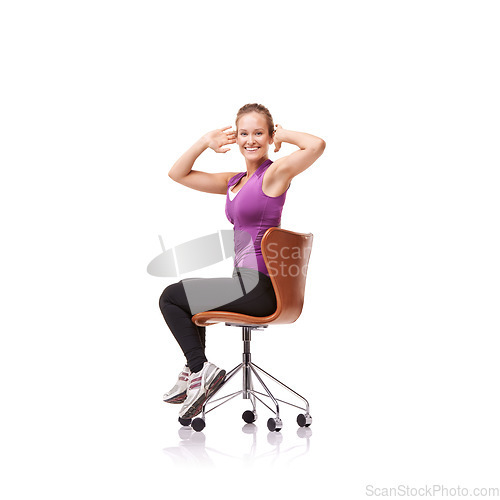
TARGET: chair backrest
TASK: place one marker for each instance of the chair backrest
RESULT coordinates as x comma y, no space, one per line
286,255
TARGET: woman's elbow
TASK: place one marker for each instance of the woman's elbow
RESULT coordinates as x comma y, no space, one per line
172,175
319,146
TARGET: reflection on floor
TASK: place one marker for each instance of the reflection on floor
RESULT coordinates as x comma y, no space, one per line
251,447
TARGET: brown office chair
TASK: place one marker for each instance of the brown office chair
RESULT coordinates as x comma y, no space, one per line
286,255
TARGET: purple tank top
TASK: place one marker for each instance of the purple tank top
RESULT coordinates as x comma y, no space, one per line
252,212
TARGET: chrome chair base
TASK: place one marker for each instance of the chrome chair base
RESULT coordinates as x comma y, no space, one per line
250,373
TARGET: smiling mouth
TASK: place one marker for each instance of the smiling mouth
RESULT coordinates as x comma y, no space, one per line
251,149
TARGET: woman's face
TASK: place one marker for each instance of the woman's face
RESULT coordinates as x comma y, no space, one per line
253,136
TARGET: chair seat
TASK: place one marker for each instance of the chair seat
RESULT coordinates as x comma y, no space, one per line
207,318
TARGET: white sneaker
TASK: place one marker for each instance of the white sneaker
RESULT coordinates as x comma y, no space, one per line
178,392
201,385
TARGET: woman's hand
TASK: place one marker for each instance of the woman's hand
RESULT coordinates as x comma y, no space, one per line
277,137
218,138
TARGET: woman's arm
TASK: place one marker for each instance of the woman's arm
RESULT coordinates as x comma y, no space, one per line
311,148
182,172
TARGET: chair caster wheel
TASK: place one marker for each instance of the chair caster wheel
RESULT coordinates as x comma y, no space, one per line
249,416
198,424
186,422
274,424
304,420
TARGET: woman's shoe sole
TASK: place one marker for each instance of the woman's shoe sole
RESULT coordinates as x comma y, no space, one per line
197,406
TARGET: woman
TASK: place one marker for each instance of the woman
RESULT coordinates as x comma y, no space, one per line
254,202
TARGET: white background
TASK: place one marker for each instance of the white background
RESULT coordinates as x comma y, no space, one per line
397,347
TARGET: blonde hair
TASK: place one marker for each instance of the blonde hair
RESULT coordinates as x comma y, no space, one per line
259,108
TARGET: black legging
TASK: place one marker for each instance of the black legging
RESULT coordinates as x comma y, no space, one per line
248,292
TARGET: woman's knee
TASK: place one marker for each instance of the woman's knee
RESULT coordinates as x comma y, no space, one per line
170,294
